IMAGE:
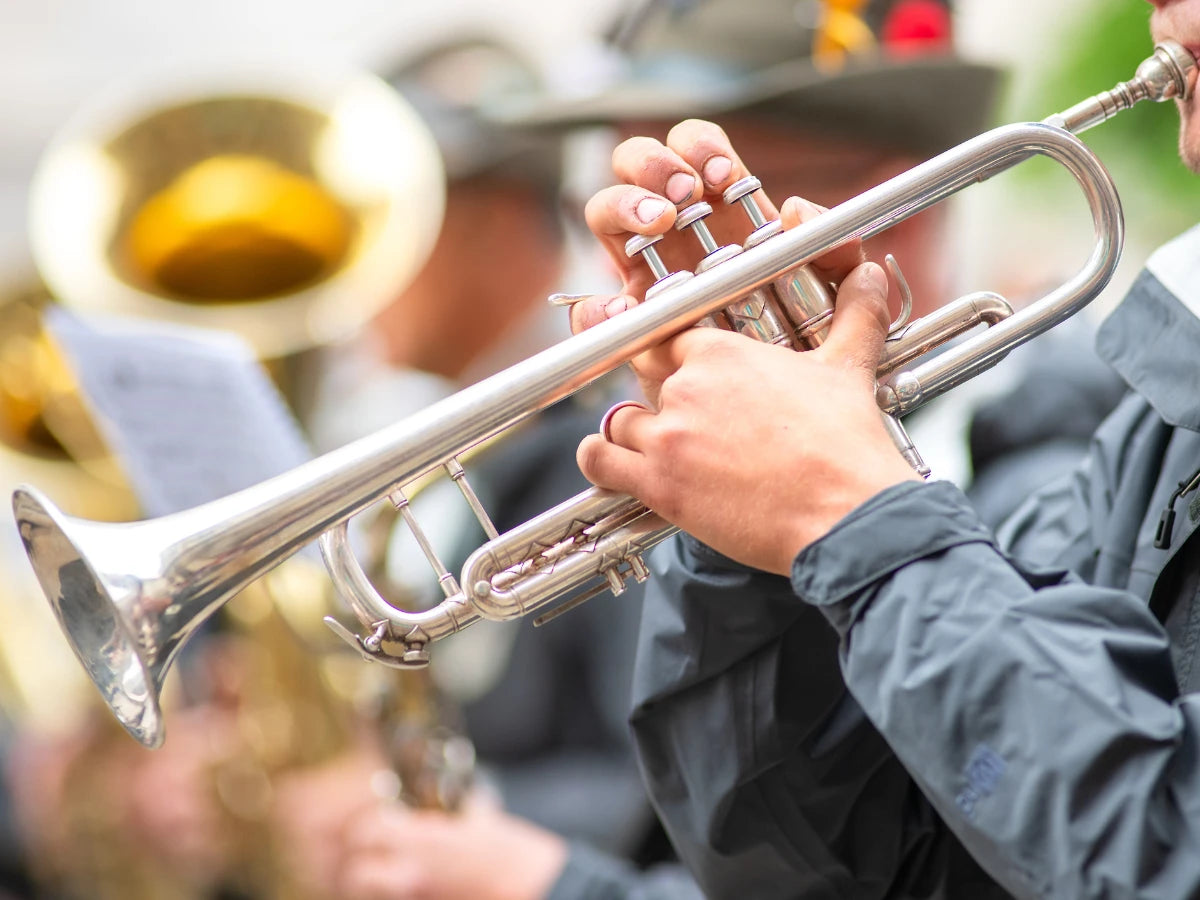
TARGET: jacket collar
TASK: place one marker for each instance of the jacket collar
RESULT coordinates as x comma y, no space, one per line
1152,338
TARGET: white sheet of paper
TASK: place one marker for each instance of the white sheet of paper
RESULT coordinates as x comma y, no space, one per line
190,414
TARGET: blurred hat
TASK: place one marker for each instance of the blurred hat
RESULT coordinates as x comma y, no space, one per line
882,70
452,86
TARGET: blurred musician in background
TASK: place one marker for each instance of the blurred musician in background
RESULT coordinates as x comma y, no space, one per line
231,189
545,709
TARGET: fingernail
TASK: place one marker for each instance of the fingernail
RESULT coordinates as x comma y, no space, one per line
616,306
649,209
680,186
717,169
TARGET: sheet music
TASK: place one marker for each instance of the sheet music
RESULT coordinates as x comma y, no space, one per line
189,414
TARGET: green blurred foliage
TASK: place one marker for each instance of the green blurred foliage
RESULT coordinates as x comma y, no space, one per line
1099,49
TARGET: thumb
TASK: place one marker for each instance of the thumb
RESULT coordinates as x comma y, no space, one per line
860,318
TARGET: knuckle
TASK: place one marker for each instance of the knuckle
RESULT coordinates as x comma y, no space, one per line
726,344
670,439
634,147
715,348
696,129
675,391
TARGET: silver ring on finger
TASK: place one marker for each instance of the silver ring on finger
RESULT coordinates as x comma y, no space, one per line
606,421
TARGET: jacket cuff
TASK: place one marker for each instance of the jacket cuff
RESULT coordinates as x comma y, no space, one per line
592,875
900,524
706,559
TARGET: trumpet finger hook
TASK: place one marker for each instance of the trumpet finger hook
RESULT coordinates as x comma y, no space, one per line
906,302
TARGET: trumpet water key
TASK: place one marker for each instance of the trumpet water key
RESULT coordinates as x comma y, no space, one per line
129,595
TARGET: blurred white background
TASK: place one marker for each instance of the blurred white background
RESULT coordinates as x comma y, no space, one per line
54,54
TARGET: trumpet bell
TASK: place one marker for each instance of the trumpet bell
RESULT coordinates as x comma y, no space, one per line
103,615
287,207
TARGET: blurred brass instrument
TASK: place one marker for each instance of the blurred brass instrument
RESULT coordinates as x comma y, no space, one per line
285,206
46,430
129,596
288,207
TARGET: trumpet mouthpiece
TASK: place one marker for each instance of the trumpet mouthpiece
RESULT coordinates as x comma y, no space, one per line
1170,73
1167,74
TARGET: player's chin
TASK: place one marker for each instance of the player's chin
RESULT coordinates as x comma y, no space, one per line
1189,139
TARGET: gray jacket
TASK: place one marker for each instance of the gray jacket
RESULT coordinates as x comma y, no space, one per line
985,716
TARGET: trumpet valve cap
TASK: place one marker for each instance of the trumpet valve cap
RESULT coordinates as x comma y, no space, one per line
644,244
742,191
640,243
763,232
741,188
692,215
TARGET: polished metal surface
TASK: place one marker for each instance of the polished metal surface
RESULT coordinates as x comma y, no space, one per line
128,596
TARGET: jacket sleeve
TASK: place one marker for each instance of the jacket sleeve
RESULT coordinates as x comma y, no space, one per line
592,875
766,773
1039,715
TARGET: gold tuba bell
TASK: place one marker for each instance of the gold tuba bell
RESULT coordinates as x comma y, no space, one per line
285,207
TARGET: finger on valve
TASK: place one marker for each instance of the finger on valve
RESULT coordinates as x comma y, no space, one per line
589,310
837,263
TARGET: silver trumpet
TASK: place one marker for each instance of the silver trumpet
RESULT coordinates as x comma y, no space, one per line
129,595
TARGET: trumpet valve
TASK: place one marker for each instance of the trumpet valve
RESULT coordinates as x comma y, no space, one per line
616,583
693,217
644,244
742,192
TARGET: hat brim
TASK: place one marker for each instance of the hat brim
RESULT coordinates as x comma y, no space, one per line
923,105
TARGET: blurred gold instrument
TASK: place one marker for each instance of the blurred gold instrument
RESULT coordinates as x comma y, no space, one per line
45,430
286,206
79,847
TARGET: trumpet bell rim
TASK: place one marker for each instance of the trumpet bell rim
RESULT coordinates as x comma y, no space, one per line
88,608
